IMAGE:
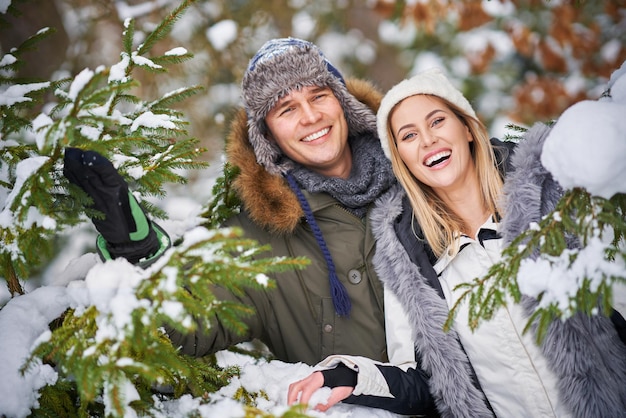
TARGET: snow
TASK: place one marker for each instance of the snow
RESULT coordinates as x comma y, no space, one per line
79,83
118,71
126,11
23,172
41,121
143,61
178,51
587,133
303,25
39,307
17,92
4,5
154,121
586,149
553,276
8,59
590,137
477,41
399,35
610,50
16,340
222,34
498,8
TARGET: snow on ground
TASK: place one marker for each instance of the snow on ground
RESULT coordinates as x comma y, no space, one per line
587,148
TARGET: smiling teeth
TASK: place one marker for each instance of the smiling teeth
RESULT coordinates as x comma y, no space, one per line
316,135
429,162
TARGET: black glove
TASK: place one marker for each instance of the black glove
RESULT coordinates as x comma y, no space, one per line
125,231
341,375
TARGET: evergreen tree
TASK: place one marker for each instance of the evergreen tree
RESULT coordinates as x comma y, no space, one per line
526,60
111,353
572,280
531,60
96,110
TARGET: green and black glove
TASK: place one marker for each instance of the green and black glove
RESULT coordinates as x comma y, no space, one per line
125,230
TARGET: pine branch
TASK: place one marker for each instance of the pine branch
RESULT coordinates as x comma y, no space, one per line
172,57
164,27
515,132
108,357
111,362
225,202
95,110
545,250
175,97
216,257
10,66
128,36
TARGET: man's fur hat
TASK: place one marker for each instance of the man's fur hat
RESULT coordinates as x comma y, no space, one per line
283,65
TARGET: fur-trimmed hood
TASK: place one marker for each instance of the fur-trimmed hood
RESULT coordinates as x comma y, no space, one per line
584,353
267,197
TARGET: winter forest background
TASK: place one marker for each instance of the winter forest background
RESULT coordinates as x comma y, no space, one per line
153,85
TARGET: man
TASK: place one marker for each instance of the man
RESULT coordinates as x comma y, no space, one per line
311,167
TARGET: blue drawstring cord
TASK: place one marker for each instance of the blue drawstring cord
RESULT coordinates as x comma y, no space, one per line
341,299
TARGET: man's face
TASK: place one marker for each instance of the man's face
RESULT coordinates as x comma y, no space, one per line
309,126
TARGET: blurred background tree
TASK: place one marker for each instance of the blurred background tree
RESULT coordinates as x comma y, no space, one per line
525,60
519,61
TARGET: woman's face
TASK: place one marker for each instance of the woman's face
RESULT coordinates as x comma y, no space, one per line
433,143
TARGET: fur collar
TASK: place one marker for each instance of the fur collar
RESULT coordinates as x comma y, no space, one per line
267,198
530,191
583,352
442,357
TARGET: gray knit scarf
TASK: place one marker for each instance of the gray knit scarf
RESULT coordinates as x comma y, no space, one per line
371,176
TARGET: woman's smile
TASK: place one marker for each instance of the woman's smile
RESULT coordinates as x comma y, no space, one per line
437,158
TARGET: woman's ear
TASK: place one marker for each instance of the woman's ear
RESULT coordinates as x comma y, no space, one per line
468,134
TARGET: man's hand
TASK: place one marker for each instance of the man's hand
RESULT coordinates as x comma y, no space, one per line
305,388
125,230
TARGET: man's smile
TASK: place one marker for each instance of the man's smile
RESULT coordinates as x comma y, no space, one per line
316,135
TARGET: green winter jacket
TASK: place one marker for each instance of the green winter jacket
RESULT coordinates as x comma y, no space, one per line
296,319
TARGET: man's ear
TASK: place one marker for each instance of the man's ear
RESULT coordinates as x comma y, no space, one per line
268,135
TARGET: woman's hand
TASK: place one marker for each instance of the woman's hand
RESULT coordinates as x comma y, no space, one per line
306,387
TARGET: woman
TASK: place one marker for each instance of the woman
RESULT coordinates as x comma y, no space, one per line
452,187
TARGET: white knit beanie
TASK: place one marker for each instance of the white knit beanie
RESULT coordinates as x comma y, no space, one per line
432,82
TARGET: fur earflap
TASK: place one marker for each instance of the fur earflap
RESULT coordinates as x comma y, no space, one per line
266,196
279,67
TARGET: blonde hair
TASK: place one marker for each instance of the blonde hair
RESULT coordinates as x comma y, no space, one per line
437,220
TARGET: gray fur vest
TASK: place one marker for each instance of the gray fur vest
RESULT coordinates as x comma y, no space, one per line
585,353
